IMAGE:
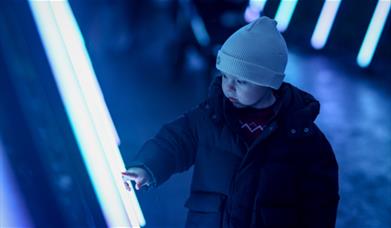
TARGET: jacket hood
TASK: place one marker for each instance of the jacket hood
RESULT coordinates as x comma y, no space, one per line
296,109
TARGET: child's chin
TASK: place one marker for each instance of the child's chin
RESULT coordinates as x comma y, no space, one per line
238,105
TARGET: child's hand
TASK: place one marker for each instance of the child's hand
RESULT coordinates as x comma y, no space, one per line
138,175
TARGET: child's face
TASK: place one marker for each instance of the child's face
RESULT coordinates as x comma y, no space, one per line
243,93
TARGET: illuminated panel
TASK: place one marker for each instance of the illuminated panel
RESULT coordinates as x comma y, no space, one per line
284,14
373,33
324,23
86,110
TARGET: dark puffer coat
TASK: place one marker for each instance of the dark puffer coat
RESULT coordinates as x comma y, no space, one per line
287,178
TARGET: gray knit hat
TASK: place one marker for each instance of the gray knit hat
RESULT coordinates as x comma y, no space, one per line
256,53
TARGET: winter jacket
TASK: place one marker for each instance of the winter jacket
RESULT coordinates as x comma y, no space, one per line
288,177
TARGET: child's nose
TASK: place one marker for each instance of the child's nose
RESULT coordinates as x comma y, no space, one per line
231,86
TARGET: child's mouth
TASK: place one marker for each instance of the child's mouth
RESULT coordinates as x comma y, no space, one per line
233,100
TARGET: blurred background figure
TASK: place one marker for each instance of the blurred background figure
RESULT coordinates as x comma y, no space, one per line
155,59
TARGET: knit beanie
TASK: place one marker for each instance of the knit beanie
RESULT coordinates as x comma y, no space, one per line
257,53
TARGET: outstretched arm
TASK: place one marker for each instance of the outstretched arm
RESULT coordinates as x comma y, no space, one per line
172,150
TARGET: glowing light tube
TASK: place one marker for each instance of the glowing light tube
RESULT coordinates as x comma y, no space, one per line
86,110
373,33
324,23
254,9
284,14
257,4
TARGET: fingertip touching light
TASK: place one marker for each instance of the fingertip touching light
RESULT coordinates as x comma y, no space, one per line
284,14
86,110
372,36
324,23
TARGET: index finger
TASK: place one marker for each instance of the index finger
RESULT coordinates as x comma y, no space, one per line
129,176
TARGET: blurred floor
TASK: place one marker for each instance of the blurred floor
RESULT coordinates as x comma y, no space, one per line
142,95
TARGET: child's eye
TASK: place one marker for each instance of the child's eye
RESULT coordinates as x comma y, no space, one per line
241,82
224,76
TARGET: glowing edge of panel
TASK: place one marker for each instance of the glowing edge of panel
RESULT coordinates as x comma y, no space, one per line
85,107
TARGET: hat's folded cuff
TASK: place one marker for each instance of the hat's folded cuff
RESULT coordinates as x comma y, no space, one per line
248,71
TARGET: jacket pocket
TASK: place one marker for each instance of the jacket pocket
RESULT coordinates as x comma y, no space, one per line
206,202
205,210
287,217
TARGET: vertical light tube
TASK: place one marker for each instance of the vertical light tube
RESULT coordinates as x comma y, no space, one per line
324,23
284,14
372,36
86,110
74,43
91,91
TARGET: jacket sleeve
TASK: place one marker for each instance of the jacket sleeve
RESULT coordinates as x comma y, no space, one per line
170,151
319,184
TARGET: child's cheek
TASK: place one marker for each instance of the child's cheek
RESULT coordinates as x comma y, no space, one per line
243,98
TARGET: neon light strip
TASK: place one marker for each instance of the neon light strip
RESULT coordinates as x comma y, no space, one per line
83,68
284,14
373,33
85,108
324,23
254,9
95,100
257,4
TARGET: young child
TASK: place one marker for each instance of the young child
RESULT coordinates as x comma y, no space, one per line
259,159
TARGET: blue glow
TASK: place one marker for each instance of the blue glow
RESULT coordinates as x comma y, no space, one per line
86,109
324,24
13,211
254,9
257,4
200,33
284,14
373,33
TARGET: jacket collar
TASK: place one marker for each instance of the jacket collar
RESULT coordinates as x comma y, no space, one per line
296,110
